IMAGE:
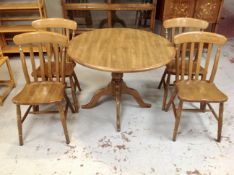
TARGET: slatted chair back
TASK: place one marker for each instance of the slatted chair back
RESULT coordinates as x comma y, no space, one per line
51,47
187,42
176,26
58,25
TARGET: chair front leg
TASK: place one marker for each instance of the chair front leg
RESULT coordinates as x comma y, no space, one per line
220,121
19,124
68,103
76,81
166,89
63,121
177,122
73,90
162,79
171,101
35,108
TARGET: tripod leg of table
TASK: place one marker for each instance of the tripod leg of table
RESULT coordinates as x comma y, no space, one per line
116,88
101,92
117,98
136,96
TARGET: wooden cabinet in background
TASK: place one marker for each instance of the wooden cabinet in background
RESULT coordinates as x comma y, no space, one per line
15,18
208,10
111,7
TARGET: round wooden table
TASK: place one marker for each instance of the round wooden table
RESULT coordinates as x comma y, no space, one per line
120,50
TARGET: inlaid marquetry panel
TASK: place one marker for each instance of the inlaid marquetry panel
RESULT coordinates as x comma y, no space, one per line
207,10
178,8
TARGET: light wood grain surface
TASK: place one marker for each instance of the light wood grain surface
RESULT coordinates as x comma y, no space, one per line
121,50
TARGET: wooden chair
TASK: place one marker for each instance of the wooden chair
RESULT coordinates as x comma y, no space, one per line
64,27
189,88
46,89
9,83
173,27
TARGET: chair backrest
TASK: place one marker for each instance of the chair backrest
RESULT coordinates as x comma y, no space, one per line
187,42
176,26
51,48
59,25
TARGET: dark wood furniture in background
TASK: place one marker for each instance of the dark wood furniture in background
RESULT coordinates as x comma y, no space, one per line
111,7
208,10
74,14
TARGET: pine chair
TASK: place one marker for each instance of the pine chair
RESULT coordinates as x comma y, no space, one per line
173,27
65,27
189,88
10,84
46,89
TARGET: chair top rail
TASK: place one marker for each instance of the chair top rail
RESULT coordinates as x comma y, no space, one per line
40,37
200,37
185,22
55,23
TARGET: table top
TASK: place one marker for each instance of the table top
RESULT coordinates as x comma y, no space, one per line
121,50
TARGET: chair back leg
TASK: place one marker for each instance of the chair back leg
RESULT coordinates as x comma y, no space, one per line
220,121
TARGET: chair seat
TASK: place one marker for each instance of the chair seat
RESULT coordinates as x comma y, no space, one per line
199,91
68,70
40,93
171,68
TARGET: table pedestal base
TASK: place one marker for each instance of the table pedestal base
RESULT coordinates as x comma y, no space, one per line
116,88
